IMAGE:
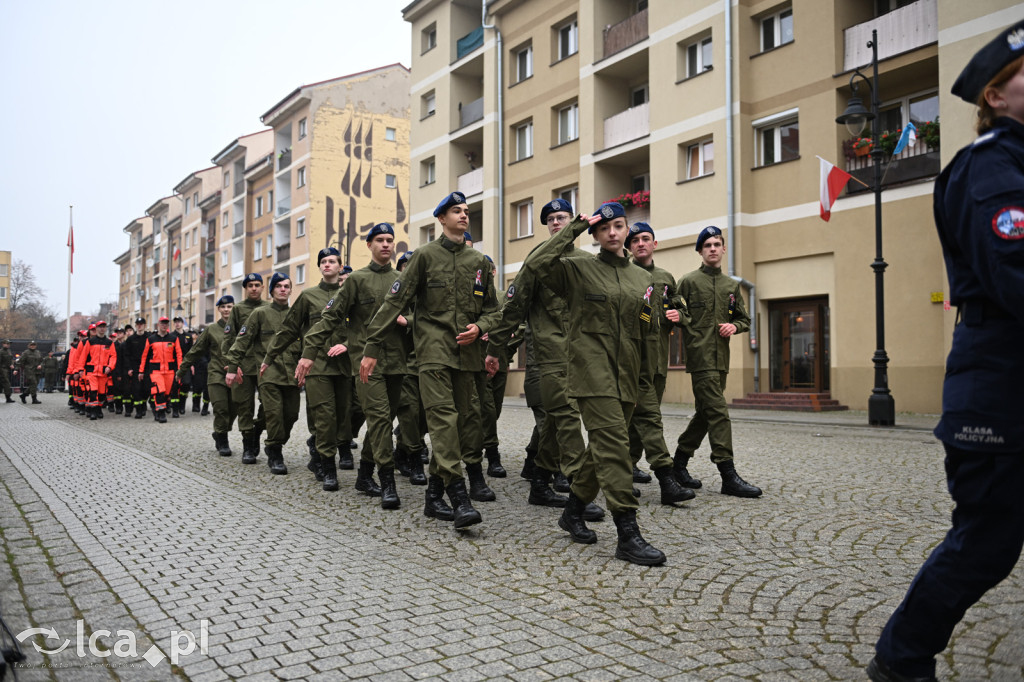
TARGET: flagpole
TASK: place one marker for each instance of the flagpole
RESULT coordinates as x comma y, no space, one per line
71,231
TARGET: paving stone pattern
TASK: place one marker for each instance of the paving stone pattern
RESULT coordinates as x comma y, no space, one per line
130,525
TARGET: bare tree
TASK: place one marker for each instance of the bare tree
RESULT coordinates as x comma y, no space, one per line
24,288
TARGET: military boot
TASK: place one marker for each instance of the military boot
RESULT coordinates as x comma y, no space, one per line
23,396
561,483
140,411
416,475
9,399
732,484
315,464
195,402
640,476
679,463
671,490
478,488
206,409
592,512
174,411
541,493
275,460
220,441
528,465
364,479
99,411
161,416
878,671
401,458
93,411
110,407
571,521
330,474
128,409
118,407
388,490
494,468
345,458
632,547
435,506
463,514
249,447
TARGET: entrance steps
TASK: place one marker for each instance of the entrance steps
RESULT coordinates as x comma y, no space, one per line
791,402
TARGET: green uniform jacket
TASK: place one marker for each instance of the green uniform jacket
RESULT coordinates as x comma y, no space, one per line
610,316
358,301
665,294
252,341
6,359
302,316
29,363
239,314
547,314
712,298
452,287
50,365
210,341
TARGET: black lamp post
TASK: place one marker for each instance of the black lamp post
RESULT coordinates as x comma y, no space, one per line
881,407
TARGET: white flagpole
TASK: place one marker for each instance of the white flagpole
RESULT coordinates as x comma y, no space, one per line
71,231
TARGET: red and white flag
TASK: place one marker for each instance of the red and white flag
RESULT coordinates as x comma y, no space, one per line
177,252
71,245
830,185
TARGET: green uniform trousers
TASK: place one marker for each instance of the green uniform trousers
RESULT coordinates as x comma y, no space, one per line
379,398
561,439
328,402
282,411
5,381
646,430
711,418
453,419
356,416
605,464
412,423
29,383
223,407
244,397
491,402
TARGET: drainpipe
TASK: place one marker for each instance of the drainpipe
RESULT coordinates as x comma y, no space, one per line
730,195
500,263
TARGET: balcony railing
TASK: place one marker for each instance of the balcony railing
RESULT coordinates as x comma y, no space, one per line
919,161
284,206
471,112
899,31
471,183
625,33
207,281
239,187
284,252
628,125
239,229
469,42
284,160
208,245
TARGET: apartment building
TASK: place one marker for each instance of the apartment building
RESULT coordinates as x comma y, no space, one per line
201,199
140,267
5,279
695,113
159,248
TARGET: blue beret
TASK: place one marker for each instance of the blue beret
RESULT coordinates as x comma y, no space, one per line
252,277
324,253
709,231
224,300
467,236
555,206
380,228
989,61
609,210
346,270
452,199
276,278
636,229
489,259
404,258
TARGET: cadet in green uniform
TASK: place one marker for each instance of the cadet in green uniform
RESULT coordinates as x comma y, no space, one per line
646,431
30,364
250,422
610,316
454,295
49,372
412,423
279,391
357,302
212,341
328,380
6,365
715,304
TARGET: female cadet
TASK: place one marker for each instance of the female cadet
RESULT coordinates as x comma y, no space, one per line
979,213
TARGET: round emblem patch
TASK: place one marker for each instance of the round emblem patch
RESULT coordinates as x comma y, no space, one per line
1008,223
329,304
227,328
634,229
242,330
608,212
457,196
396,286
511,290
554,206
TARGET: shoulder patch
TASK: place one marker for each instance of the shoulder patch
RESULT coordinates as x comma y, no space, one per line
227,328
396,286
241,332
511,291
329,304
1008,223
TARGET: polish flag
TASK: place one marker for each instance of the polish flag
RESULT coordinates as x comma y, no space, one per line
177,252
831,184
71,245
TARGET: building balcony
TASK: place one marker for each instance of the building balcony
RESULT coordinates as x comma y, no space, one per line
284,159
899,31
469,42
239,188
284,206
239,229
207,282
471,183
471,112
625,33
237,269
913,163
631,124
284,252
208,246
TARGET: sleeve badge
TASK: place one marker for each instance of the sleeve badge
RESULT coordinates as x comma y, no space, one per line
1008,223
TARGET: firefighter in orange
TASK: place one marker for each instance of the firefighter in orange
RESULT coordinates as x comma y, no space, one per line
160,360
95,365
77,385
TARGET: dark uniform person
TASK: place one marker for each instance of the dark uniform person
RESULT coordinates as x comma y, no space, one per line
200,377
715,304
179,393
250,421
979,213
6,367
50,365
412,423
211,343
30,364
138,381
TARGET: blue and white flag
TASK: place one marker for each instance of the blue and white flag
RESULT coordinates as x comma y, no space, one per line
907,139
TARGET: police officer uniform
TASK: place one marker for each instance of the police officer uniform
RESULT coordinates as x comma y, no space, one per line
211,343
250,421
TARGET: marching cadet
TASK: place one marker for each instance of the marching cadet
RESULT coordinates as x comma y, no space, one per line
453,291
200,377
119,378
161,357
715,305
412,423
491,389
211,342
179,394
610,316
138,382
357,302
30,364
6,366
243,394
646,431
279,392
328,380
50,365
95,363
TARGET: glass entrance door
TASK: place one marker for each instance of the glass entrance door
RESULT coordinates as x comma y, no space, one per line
799,345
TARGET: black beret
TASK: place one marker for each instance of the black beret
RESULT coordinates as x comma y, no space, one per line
224,300
636,229
610,210
324,253
380,228
278,277
346,270
555,206
252,277
404,258
453,199
709,231
988,61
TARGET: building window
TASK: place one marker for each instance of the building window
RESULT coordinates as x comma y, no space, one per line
568,40
524,219
698,57
187,206
427,103
300,274
569,123
428,38
188,239
259,206
257,249
390,181
300,227
270,201
302,128
195,200
777,138
389,134
639,95
195,236
224,257
227,178
224,220
427,172
523,64
640,183
524,141
5,269
700,159
193,272
570,194
300,177
185,277
3,292
777,29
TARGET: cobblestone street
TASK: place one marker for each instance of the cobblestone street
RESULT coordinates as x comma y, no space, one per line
136,528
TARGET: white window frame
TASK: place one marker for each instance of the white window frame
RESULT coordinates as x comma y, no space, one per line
570,194
259,207
257,249
300,177
300,274
524,218
195,236
226,220
524,63
270,245
390,134
644,89
570,129
429,103
697,62
3,292
428,169
572,31
195,200
428,38
776,19
270,201
302,128
774,122
700,149
523,140
227,178
188,240
390,181
300,227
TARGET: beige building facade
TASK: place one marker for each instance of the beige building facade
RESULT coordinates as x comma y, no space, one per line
699,113
6,263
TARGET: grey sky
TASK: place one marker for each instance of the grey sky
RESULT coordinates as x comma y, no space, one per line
109,104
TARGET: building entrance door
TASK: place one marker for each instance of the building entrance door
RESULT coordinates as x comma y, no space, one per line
799,345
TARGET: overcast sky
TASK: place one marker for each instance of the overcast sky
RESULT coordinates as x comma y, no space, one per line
110,104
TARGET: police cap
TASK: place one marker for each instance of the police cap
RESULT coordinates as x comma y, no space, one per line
709,231
636,230
610,210
989,61
554,206
380,228
453,199
324,253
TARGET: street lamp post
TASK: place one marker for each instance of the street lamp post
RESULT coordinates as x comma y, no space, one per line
881,407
